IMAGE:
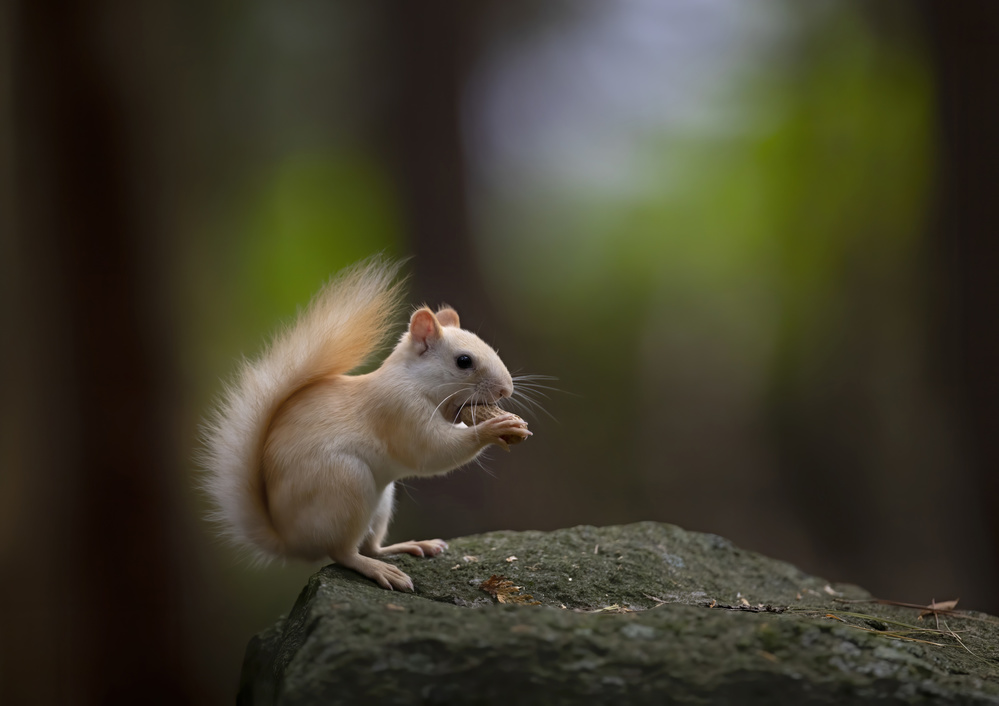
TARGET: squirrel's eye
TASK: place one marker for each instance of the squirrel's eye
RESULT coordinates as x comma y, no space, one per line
463,361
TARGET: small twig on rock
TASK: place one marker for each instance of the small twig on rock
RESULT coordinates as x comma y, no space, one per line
935,608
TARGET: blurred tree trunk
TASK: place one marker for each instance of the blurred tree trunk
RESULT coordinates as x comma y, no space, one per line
872,431
431,49
964,44
91,559
432,53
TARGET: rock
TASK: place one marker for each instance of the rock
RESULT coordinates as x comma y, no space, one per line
638,614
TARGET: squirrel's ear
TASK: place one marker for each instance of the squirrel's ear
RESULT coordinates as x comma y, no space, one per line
448,317
424,328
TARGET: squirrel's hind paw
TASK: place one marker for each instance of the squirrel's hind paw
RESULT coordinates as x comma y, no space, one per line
385,575
428,547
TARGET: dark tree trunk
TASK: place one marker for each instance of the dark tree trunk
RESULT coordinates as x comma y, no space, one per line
964,44
431,47
96,595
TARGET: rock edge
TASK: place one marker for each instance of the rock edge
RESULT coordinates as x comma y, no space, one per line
642,613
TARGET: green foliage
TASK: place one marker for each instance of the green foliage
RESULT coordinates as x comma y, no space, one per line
317,214
824,166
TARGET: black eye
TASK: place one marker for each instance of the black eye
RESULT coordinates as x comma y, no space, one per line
463,361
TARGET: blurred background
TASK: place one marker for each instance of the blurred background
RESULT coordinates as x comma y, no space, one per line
753,240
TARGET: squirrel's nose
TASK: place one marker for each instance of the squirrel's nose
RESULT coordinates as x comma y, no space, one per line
506,391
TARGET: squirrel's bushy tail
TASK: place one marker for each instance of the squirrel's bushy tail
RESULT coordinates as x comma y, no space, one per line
343,325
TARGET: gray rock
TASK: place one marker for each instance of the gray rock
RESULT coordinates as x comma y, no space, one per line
640,614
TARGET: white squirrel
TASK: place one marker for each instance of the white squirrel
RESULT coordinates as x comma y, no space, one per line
301,457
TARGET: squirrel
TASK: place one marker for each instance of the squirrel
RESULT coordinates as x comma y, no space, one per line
301,457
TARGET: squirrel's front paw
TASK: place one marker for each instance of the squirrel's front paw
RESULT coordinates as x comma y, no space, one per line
504,430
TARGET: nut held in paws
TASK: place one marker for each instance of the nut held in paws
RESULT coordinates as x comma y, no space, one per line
476,414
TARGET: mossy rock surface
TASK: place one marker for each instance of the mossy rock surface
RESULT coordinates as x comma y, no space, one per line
638,614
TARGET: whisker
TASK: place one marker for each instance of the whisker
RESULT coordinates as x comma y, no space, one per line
533,383
437,408
536,388
524,402
408,490
528,393
480,461
532,395
467,400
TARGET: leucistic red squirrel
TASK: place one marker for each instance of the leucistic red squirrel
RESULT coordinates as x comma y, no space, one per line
301,457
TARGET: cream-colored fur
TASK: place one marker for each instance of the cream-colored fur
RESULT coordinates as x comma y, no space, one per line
301,457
